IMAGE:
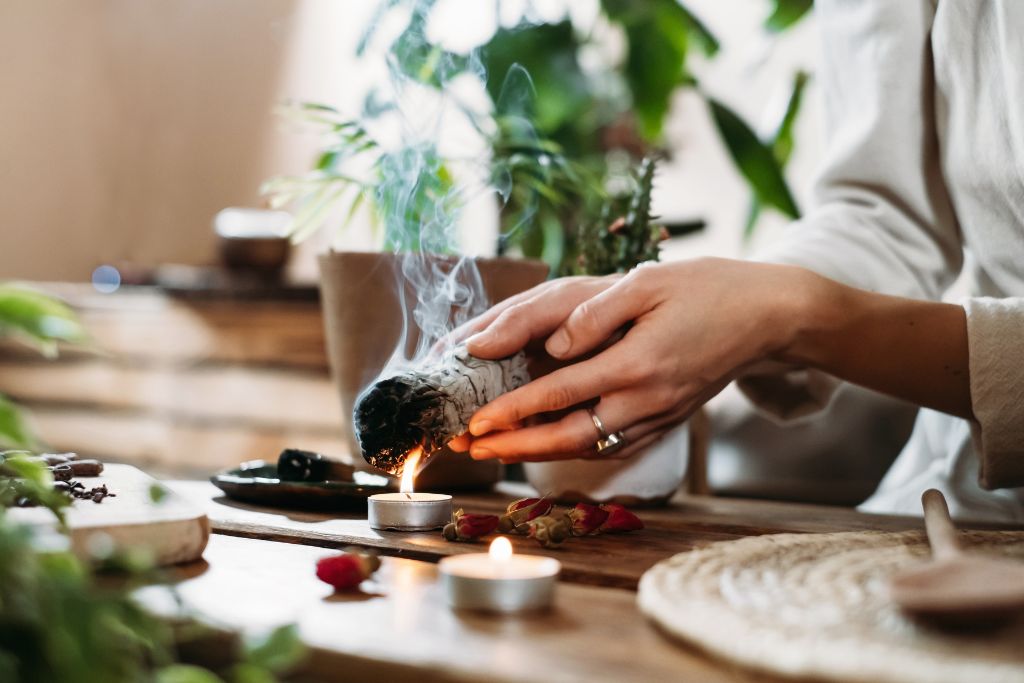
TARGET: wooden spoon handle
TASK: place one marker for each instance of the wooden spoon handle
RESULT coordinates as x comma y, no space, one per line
939,525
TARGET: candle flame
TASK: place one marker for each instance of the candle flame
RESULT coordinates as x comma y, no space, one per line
501,549
412,462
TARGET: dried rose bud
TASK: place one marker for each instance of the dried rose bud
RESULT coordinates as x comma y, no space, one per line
347,570
617,225
587,519
522,511
619,519
466,527
548,531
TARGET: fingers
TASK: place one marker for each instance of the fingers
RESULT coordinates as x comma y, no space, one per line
597,318
461,443
471,327
628,451
532,317
572,434
610,370
639,435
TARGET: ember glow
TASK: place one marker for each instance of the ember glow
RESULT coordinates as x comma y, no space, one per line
412,463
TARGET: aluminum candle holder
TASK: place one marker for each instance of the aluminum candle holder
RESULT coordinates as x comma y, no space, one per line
409,511
499,581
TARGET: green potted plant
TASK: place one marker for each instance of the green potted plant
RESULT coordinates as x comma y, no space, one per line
563,155
369,297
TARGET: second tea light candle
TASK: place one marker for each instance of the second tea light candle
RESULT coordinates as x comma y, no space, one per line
499,581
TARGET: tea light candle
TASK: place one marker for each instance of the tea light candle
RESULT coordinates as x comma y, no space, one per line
409,511
499,580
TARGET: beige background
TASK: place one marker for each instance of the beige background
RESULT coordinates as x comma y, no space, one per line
127,124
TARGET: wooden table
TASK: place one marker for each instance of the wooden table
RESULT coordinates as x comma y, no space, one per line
259,573
608,560
398,628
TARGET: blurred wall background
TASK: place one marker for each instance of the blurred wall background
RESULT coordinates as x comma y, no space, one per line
127,124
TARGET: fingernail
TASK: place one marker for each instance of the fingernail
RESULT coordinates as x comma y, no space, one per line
481,453
558,344
481,427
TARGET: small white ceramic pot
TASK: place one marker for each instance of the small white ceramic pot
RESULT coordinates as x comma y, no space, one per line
648,478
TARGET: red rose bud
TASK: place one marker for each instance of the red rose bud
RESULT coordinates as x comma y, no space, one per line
522,511
548,531
619,519
587,519
466,527
347,570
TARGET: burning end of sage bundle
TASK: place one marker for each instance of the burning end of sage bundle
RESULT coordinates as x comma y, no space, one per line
428,406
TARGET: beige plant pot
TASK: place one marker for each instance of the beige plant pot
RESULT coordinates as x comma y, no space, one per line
363,320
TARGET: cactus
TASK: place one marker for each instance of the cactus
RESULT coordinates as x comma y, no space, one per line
624,235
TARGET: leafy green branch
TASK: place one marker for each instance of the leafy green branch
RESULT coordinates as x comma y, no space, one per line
42,322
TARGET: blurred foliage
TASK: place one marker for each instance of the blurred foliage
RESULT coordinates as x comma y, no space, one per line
658,34
62,620
557,134
37,319
781,145
24,480
14,429
786,13
42,322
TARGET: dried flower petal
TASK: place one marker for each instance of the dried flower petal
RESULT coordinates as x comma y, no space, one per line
466,527
619,519
522,511
587,519
548,531
347,570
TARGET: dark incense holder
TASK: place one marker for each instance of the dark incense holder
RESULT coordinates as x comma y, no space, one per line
429,406
297,465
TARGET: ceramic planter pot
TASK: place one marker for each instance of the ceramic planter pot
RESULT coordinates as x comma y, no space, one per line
647,479
363,320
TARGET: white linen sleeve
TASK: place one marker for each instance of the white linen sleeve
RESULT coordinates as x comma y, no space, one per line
995,338
883,219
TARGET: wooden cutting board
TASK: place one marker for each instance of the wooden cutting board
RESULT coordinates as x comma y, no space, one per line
173,530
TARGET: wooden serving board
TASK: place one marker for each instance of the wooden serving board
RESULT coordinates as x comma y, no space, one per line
174,530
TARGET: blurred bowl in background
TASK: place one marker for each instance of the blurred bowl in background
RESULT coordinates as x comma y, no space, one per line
253,240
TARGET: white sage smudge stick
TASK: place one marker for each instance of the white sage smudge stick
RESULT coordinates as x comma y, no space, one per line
428,406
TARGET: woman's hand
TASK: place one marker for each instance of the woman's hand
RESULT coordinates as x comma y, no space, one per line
533,314
691,328
523,321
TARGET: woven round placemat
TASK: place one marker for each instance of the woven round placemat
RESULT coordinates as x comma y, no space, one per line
816,606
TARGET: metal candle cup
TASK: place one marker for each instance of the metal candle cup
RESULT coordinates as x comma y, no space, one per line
409,511
499,581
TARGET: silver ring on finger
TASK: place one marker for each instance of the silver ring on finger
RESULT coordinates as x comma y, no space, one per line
611,443
602,433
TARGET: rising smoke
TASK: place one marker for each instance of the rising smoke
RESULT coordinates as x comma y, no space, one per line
436,163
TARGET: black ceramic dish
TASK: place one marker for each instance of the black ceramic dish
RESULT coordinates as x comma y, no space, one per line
257,483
